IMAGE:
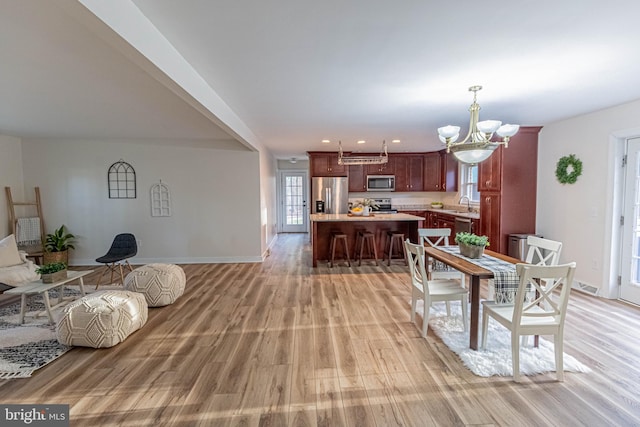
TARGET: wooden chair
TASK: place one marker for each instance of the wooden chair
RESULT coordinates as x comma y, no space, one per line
431,290
543,316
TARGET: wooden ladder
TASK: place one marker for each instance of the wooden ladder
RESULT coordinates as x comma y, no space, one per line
34,251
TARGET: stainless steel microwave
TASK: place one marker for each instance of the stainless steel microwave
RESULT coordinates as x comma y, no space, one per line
381,183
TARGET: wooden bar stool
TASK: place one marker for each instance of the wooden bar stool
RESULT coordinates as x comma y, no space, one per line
335,237
369,238
395,240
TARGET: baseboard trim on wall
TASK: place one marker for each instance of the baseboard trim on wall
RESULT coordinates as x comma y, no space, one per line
196,260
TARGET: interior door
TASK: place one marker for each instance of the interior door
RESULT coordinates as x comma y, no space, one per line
630,256
293,203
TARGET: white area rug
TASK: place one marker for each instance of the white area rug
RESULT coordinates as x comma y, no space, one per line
496,359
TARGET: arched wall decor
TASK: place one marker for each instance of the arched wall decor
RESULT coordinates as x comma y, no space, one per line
122,180
160,200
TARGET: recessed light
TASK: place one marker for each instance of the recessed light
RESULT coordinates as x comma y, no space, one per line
396,141
325,141
362,141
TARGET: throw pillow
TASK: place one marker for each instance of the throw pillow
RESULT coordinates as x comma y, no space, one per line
9,252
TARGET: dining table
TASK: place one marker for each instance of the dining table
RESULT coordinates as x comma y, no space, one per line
475,273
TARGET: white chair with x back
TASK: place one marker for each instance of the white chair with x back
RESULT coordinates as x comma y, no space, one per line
431,290
543,315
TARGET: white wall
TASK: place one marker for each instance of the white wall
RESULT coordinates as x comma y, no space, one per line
11,176
582,215
268,205
215,198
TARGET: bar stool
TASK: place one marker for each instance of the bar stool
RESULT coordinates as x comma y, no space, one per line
335,237
395,239
369,238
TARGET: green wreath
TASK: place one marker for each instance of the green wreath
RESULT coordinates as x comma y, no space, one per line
568,169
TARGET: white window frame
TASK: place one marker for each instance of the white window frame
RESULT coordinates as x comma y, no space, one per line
469,188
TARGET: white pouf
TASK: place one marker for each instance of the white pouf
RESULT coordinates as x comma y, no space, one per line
102,319
161,284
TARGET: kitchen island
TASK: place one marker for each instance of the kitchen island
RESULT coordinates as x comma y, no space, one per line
322,225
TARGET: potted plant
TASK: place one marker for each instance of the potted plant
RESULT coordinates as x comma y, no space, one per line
52,272
471,245
57,245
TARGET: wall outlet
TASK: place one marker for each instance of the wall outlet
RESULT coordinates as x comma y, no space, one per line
139,242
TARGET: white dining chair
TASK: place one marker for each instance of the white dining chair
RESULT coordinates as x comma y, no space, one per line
431,290
542,316
437,270
540,252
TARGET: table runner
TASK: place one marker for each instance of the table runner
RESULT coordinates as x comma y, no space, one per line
505,278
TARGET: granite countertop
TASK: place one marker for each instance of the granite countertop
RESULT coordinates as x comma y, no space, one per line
450,210
375,217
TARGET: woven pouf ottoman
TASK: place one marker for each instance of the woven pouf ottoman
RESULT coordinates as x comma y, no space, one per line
102,319
161,284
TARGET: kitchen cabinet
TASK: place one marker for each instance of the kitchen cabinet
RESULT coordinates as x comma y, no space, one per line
490,172
409,172
449,171
432,172
507,185
358,178
440,171
383,169
326,164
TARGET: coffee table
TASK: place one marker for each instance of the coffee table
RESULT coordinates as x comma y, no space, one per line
37,287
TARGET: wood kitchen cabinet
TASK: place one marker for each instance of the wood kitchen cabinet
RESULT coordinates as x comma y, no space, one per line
449,171
383,169
409,172
440,172
326,164
432,172
358,178
507,185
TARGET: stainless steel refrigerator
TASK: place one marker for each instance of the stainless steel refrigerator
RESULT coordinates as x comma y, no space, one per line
333,191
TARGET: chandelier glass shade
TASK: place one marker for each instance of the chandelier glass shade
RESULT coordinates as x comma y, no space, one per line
477,146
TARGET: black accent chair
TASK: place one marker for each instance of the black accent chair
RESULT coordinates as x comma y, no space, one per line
124,246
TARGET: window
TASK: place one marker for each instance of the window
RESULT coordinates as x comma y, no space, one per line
469,182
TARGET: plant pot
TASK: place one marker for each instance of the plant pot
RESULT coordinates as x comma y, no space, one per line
471,251
54,277
51,257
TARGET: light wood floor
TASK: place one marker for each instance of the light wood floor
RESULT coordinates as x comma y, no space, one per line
280,343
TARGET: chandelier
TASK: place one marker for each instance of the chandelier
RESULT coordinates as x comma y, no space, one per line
363,160
477,145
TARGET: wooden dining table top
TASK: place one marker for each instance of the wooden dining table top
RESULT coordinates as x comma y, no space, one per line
465,266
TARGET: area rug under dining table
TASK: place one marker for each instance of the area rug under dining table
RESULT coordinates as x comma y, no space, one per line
496,358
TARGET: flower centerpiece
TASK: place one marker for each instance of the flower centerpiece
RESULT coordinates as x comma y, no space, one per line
471,245
363,207
52,272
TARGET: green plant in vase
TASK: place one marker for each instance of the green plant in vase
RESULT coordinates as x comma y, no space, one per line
57,245
52,272
471,245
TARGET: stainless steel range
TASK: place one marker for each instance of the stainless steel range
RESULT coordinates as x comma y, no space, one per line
384,206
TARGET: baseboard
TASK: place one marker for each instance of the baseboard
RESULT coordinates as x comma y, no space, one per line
193,260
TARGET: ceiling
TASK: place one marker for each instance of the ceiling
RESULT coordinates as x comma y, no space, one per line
296,72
